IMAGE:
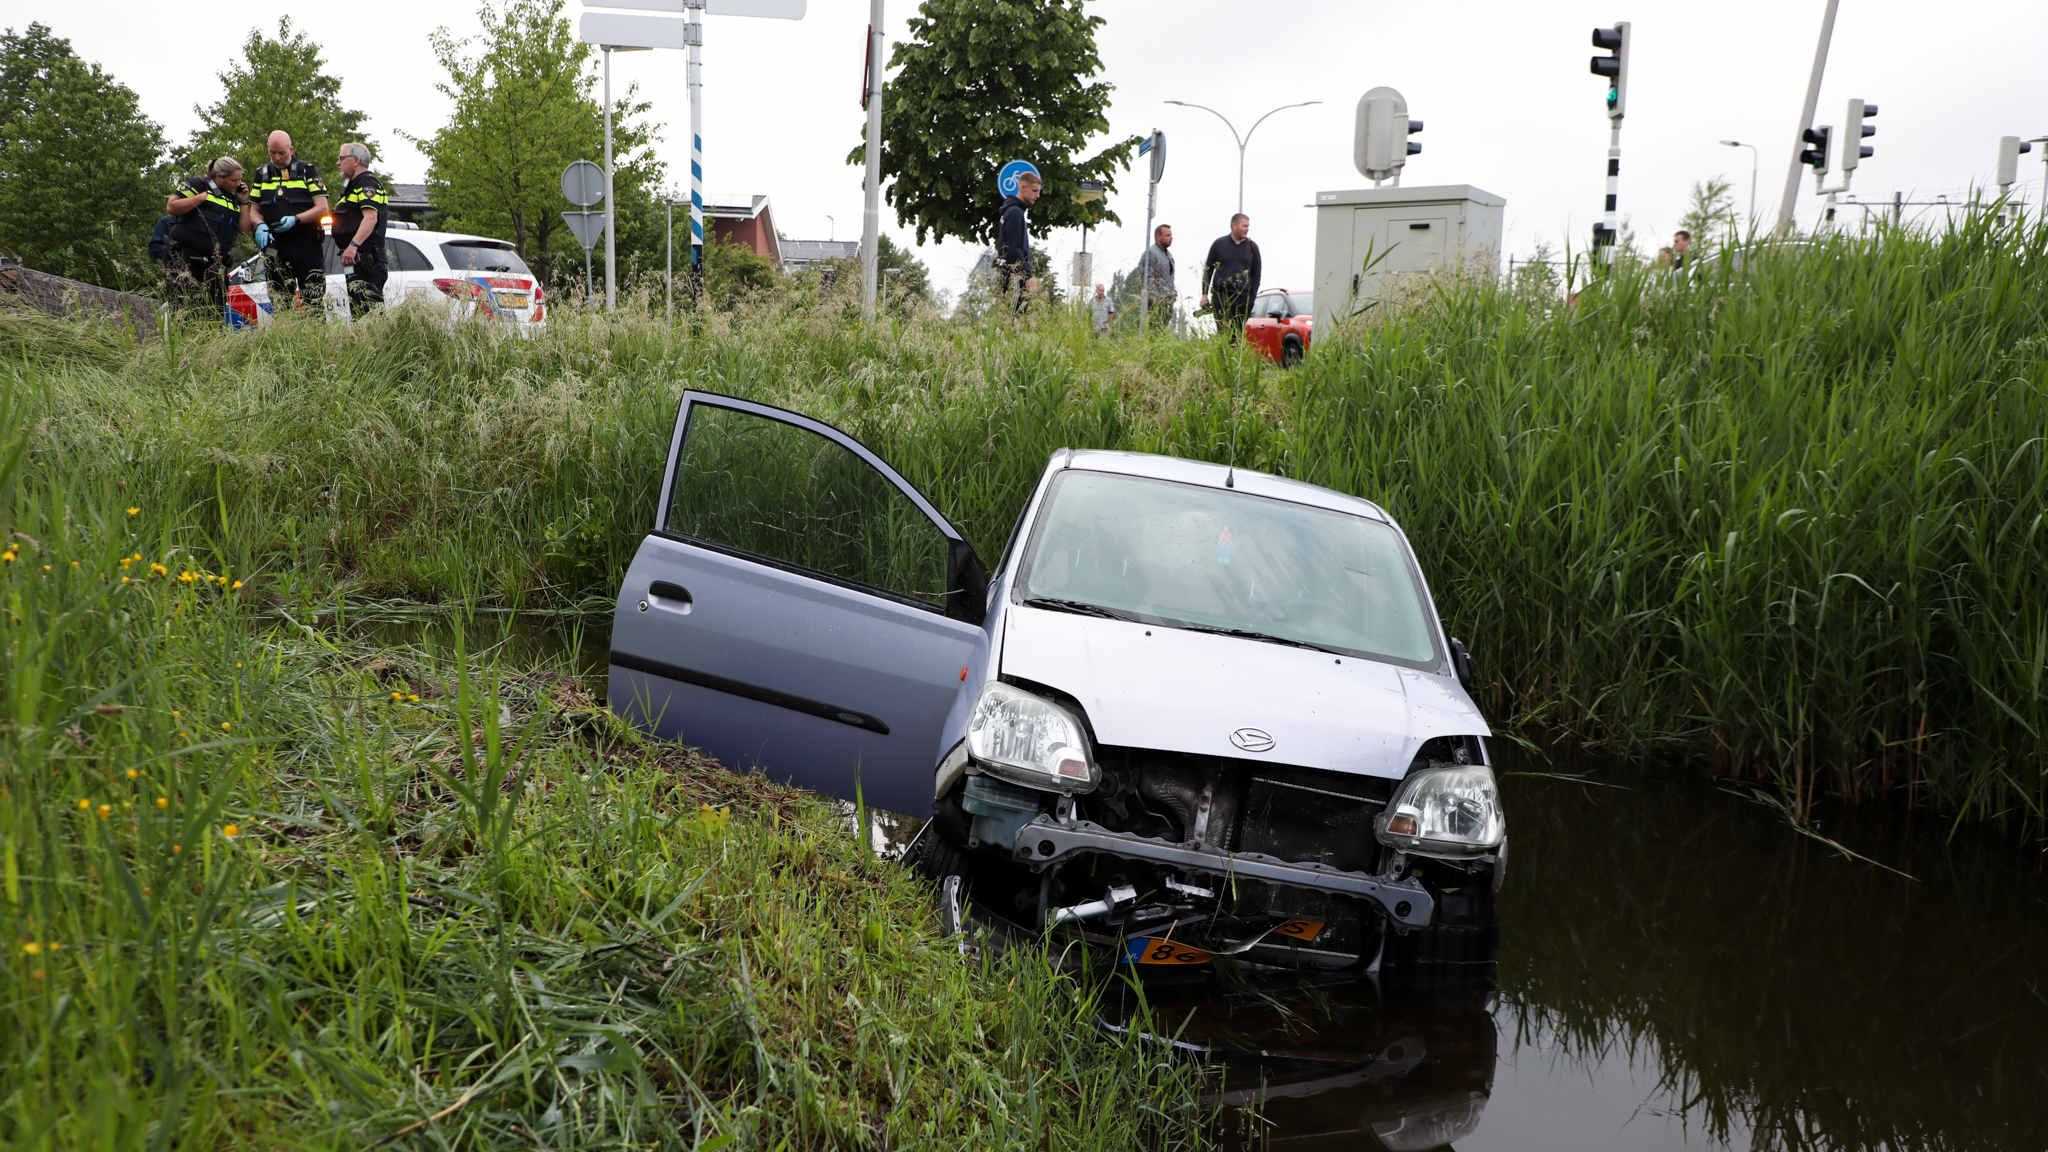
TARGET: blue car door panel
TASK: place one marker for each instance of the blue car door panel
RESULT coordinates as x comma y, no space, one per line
795,610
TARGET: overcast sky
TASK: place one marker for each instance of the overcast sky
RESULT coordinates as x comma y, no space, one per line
1502,86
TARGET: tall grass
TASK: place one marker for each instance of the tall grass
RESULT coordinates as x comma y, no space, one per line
260,887
1781,518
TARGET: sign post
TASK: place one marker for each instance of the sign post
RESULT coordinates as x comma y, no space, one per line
871,191
583,184
1156,145
617,30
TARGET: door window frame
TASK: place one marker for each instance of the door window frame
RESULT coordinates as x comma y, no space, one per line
955,542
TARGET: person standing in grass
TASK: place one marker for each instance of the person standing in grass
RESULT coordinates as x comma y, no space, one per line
359,228
1101,309
211,210
1156,272
1013,240
1230,276
1681,243
291,200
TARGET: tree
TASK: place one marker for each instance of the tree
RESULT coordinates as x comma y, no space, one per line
901,272
984,82
525,107
279,83
1710,217
81,176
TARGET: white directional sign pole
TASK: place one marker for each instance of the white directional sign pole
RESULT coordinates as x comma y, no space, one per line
611,202
613,30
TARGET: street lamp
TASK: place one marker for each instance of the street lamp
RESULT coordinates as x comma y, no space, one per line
1752,172
1244,139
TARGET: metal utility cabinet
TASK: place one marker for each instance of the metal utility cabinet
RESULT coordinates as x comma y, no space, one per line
1417,229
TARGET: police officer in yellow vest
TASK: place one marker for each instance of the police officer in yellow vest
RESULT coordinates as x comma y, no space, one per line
291,199
359,219
211,210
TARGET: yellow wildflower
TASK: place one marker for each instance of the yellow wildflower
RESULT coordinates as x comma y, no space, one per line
163,801
231,830
133,511
237,586
74,563
84,803
177,848
31,949
397,696
105,810
132,773
124,579
225,726
175,714
414,698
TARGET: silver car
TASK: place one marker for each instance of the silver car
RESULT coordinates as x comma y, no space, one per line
1195,711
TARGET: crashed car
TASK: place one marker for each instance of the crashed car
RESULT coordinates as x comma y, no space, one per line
1194,710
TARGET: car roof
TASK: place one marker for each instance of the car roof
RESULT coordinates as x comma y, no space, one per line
442,237
1208,475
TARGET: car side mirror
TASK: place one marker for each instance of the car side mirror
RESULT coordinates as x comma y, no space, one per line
966,583
1461,663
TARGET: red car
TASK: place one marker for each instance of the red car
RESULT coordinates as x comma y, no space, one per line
1281,325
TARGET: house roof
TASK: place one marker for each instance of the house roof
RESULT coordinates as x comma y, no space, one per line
798,253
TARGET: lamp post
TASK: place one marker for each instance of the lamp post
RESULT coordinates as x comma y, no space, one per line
1752,173
1244,139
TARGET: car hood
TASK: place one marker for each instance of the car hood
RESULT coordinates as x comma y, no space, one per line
1145,686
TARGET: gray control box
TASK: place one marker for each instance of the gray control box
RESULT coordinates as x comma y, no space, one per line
1416,229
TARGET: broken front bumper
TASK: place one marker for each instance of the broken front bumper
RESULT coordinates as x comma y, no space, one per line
1047,841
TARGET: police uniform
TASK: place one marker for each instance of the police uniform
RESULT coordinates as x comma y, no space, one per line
293,259
202,241
366,280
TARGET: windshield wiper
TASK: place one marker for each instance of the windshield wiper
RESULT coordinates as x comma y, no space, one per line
1248,634
1076,606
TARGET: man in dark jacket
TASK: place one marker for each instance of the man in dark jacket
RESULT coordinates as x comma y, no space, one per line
1230,276
1013,240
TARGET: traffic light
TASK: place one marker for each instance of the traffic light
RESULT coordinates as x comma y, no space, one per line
1613,66
1380,144
1854,131
1414,126
2010,148
1815,155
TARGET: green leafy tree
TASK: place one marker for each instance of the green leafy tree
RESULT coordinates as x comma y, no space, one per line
525,108
984,82
279,83
81,176
1710,216
901,271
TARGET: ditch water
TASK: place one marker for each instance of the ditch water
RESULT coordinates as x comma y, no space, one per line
1679,970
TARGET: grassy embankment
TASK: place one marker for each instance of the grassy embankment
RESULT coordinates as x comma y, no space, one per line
263,888
1785,519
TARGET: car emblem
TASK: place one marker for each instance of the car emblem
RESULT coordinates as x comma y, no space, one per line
1252,739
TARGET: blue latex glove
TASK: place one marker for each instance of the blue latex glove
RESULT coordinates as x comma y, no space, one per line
262,236
284,225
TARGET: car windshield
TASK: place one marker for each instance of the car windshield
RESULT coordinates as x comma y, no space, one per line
1301,303
1185,556
482,256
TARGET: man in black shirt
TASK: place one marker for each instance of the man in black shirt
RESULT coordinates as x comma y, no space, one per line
291,199
210,210
1013,240
1231,277
359,219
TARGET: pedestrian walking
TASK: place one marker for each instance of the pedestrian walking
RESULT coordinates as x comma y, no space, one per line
1230,277
1101,309
211,210
290,199
359,221
1013,240
1156,272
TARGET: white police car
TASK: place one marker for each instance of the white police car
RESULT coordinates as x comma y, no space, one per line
464,273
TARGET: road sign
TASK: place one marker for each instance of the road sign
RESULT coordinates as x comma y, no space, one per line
588,227
1156,145
583,183
622,31
1086,190
767,9
1006,180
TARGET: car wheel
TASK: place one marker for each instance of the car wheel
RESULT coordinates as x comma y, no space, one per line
1290,352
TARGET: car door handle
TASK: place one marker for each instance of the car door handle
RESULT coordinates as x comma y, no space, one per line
676,595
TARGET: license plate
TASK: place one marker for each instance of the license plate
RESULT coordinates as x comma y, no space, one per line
1303,930
510,299
1147,950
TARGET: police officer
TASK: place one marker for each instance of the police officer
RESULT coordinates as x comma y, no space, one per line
359,219
290,199
211,210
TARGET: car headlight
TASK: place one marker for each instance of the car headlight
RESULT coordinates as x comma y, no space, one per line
1030,741
1444,812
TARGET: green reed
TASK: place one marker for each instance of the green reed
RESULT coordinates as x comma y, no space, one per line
1782,517
264,886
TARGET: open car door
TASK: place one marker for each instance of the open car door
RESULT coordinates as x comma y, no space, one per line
799,608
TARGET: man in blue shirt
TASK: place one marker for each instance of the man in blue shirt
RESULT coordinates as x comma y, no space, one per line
1013,239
